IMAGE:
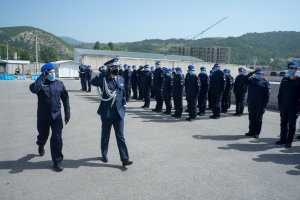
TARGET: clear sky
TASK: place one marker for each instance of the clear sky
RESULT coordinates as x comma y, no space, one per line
135,20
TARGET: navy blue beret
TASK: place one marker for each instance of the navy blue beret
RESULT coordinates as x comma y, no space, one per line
292,63
47,66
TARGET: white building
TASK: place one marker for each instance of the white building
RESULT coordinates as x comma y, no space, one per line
66,68
96,58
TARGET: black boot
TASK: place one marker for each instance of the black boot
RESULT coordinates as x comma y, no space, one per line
57,167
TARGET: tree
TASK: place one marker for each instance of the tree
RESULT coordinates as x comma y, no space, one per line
97,45
110,45
48,54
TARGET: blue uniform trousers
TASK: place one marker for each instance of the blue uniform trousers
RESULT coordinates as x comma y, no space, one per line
43,126
118,124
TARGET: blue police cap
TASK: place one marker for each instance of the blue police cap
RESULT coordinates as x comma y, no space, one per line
293,63
168,70
225,70
157,62
203,68
241,69
125,65
191,67
217,65
112,62
146,66
259,70
47,66
178,69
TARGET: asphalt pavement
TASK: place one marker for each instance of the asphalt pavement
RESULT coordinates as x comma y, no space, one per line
173,158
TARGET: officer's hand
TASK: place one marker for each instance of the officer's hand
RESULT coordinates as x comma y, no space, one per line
67,118
46,72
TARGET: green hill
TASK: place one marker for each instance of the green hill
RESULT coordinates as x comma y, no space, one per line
22,39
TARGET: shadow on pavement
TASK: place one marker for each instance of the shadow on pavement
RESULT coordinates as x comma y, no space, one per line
287,157
282,159
17,166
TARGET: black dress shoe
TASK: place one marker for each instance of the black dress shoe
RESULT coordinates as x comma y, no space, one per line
236,114
214,117
200,114
256,136
154,110
298,137
57,167
178,116
288,145
190,119
126,162
41,150
173,115
280,142
158,111
104,159
249,134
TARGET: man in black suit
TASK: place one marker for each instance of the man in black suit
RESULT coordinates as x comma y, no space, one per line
112,109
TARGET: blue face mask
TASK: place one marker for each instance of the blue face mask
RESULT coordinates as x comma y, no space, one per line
51,77
157,66
258,76
217,68
146,69
191,72
291,71
203,72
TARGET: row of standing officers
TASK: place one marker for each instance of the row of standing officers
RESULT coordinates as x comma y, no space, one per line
216,88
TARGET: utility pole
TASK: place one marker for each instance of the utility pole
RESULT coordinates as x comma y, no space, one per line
6,56
36,54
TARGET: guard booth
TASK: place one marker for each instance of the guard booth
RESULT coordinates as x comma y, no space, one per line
66,68
15,67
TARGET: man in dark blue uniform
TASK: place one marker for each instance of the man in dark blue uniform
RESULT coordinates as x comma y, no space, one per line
127,74
177,92
158,77
88,76
217,87
202,99
140,73
112,110
134,82
152,88
146,85
289,105
192,88
167,91
50,92
240,89
226,98
81,72
121,70
258,98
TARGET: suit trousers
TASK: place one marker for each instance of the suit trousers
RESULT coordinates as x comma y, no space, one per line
118,124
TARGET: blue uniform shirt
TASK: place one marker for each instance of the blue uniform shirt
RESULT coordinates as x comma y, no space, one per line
106,109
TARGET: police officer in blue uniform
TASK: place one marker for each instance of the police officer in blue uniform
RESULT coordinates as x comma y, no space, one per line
121,70
289,105
192,88
147,77
217,87
258,98
81,72
140,73
87,76
167,91
177,92
112,110
240,88
158,77
226,98
127,74
50,92
134,84
202,99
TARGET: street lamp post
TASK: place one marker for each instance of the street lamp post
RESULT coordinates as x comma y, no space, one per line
6,56
36,54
